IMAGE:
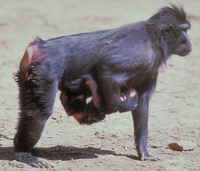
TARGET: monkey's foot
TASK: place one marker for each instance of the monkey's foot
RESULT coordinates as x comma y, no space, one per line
32,161
91,118
91,115
150,157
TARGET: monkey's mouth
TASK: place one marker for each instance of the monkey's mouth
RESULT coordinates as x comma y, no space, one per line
186,52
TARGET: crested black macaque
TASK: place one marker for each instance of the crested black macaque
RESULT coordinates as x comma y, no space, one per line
129,56
75,104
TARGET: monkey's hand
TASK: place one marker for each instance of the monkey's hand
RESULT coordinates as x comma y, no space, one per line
150,157
92,115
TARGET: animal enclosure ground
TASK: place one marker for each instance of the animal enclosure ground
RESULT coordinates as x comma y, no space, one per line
107,145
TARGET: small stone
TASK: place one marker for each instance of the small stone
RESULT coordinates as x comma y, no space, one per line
175,146
100,134
182,145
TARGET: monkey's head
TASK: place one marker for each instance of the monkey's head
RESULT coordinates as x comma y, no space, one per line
179,42
172,26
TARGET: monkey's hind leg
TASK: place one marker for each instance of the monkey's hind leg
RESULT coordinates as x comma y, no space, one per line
36,95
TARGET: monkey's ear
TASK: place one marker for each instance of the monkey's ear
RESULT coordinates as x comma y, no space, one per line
165,31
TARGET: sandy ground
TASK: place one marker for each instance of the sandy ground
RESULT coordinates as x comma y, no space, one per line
108,145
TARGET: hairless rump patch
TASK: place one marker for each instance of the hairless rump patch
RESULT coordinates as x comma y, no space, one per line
30,54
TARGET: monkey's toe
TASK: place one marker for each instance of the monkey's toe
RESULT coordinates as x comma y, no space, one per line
150,157
27,158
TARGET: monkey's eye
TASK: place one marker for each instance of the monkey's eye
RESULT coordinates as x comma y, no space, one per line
176,32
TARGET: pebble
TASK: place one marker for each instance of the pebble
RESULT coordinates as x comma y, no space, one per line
182,145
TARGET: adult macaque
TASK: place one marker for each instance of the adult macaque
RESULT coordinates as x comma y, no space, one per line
125,57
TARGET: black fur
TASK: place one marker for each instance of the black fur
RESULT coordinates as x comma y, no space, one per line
129,56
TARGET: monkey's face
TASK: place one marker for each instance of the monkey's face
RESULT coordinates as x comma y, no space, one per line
181,43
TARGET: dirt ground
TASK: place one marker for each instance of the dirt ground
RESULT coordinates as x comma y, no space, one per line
107,145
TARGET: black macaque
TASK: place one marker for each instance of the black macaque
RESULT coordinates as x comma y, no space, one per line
94,112
128,57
